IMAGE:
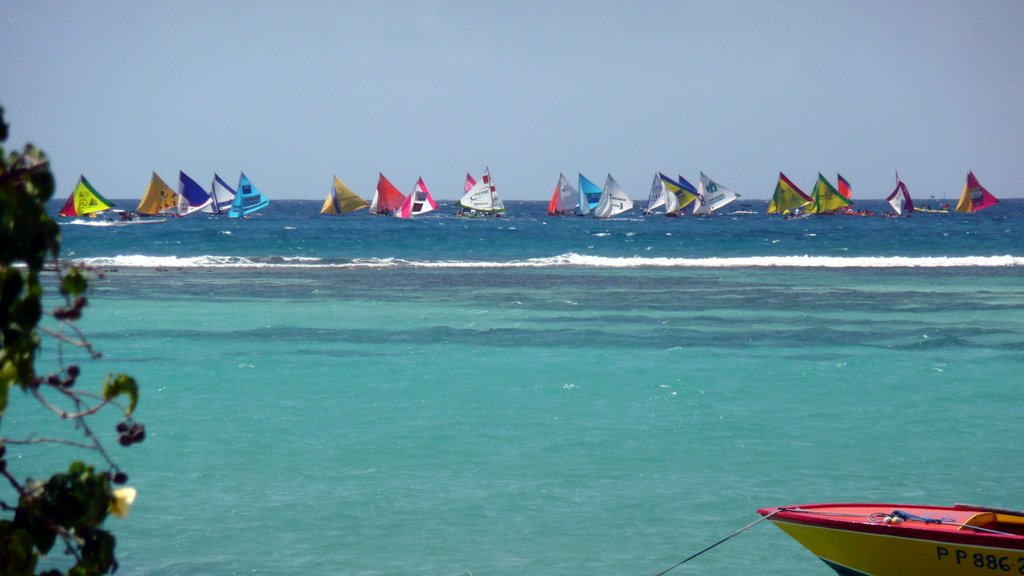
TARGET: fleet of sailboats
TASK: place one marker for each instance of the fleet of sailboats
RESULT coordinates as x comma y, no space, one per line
481,198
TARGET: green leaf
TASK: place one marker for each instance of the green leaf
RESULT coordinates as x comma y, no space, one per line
73,283
16,555
114,386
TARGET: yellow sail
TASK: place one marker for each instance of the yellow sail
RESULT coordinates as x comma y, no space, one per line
159,198
826,198
342,199
87,199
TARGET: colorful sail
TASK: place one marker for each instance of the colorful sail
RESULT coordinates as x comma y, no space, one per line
158,199
386,198
470,182
223,196
342,199
191,196
787,197
613,200
678,194
711,196
482,198
419,201
656,198
974,196
825,198
84,200
564,199
590,195
248,199
844,186
900,199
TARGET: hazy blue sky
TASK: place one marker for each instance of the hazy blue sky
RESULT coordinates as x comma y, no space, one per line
295,92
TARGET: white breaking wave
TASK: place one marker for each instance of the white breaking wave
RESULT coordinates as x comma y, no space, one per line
563,260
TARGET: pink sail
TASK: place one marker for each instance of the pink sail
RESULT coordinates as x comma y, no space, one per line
419,201
974,196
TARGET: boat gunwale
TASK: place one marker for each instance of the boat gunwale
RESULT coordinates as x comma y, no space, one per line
827,516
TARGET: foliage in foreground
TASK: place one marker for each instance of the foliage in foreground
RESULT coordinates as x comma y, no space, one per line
69,507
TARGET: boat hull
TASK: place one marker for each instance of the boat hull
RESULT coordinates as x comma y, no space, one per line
856,540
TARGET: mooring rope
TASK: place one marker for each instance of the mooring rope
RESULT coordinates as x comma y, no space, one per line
722,541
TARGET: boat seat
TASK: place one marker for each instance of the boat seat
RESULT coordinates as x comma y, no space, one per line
1009,523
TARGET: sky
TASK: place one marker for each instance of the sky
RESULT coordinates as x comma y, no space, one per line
294,93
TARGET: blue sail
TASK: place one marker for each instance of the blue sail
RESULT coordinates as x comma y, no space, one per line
590,195
191,196
248,199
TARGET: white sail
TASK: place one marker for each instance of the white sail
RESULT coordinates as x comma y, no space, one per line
483,196
222,196
613,200
671,200
657,196
711,196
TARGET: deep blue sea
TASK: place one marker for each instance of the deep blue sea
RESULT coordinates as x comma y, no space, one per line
529,395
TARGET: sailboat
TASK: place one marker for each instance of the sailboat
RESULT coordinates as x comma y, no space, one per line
248,199
711,196
900,199
419,201
787,197
482,198
84,200
678,195
844,187
342,199
191,196
656,198
825,199
159,198
564,199
590,195
975,197
386,198
223,196
613,200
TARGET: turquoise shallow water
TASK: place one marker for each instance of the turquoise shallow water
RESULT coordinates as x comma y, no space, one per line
358,399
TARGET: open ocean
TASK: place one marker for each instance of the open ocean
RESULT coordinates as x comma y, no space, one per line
528,395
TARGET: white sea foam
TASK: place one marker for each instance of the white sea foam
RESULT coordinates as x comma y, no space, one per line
563,260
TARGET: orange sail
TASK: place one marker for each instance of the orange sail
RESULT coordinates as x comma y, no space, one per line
386,199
